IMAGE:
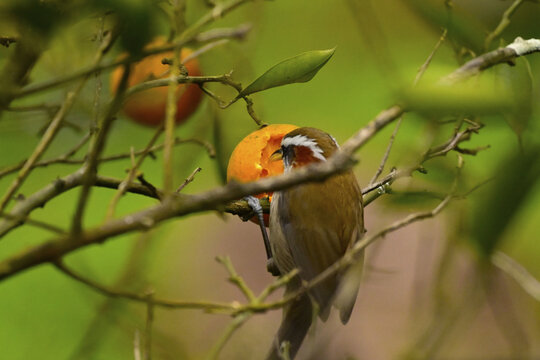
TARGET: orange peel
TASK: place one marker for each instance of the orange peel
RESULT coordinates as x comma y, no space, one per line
148,107
250,160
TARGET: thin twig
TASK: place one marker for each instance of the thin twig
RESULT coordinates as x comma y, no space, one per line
170,121
23,208
517,272
279,283
517,48
390,178
220,10
503,24
234,308
143,298
426,63
204,49
238,33
235,279
98,143
37,107
234,325
43,145
216,198
419,75
51,132
350,256
65,159
386,153
41,224
137,345
58,81
17,66
189,179
437,151
224,79
132,173
148,328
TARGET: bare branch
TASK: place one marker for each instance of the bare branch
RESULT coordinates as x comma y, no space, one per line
90,167
180,205
132,173
41,224
236,279
20,212
17,68
425,65
506,54
185,40
235,324
148,327
43,144
240,32
386,153
66,158
52,129
189,179
503,24
216,199
517,272
144,298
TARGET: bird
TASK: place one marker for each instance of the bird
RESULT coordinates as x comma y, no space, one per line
312,225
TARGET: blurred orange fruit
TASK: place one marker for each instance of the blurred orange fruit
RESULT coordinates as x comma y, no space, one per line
148,107
250,161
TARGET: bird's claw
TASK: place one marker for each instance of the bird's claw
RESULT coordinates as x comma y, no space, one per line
272,267
254,204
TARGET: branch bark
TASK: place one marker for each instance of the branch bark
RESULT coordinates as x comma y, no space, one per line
179,204
217,198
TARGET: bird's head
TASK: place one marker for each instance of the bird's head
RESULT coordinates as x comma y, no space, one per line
304,146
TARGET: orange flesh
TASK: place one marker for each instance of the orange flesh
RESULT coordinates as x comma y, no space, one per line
250,159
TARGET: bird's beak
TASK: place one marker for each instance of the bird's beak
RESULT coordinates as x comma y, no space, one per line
277,155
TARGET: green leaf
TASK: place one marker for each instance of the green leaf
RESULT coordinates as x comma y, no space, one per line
300,68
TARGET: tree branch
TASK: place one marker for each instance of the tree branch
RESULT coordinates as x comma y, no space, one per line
66,158
180,205
52,130
202,37
506,54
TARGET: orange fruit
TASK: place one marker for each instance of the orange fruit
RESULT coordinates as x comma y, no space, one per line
148,107
250,161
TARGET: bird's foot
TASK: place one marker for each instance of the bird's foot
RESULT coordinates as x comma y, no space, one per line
272,267
255,205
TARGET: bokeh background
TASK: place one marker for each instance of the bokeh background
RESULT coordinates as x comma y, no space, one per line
380,45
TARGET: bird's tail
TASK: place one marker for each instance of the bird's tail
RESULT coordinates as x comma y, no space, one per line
297,317
348,288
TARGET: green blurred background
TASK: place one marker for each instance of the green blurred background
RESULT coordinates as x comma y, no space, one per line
380,47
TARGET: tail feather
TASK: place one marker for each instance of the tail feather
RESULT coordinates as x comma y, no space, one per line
295,324
348,289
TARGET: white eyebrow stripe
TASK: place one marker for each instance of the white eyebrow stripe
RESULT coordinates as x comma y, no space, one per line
302,140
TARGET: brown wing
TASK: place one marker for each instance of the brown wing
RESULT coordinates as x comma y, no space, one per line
317,224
